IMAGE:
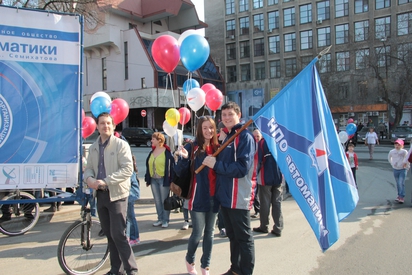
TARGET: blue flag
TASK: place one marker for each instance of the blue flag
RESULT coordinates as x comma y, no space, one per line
298,127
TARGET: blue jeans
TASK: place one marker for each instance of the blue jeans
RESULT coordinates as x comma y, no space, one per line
132,230
160,193
203,223
242,246
400,176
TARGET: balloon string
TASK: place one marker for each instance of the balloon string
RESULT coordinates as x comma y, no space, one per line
173,94
167,81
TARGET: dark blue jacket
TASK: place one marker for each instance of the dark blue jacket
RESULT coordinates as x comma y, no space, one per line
200,199
268,170
169,168
234,171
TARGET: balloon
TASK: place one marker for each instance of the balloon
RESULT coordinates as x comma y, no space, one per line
350,128
100,94
350,120
207,87
184,115
88,126
190,84
169,130
83,114
351,136
194,52
343,136
100,105
172,116
165,51
214,99
184,35
120,110
195,99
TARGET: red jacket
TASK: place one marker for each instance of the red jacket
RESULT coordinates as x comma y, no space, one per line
355,157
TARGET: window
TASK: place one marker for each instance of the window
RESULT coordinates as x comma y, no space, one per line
382,27
257,4
381,4
274,68
243,5
258,23
244,49
244,25
273,20
361,6
230,7
343,90
274,44
231,74
259,46
290,42
260,71
323,10
306,40
362,89
341,8
290,67
245,72
305,12
342,34
289,17
404,23
231,51
104,74
405,54
230,28
400,2
342,61
126,61
324,37
362,59
305,60
325,63
383,57
361,31
272,2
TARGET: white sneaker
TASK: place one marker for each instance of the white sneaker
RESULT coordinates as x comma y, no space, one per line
165,224
158,223
185,226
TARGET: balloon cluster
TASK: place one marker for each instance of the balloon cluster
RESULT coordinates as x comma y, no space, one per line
350,132
100,102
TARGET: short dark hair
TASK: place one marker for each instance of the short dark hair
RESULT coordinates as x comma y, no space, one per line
351,145
104,114
231,105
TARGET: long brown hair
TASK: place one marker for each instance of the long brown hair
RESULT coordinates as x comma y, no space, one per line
200,139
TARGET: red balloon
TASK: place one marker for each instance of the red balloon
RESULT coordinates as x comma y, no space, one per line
207,87
83,115
120,110
88,126
351,136
350,120
214,99
166,52
184,115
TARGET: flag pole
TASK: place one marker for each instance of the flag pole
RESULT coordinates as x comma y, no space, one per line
197,171
324,51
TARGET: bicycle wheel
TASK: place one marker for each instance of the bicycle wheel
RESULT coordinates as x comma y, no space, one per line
24,216
75,257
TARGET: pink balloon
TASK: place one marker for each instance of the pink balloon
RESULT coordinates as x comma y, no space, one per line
214,99
88,126
83,115
119,111
350,120
166,52
184,115
207,87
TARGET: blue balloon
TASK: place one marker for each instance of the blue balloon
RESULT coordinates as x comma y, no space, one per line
190,84
194,51
100,105
351,128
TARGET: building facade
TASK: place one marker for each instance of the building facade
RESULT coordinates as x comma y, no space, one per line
260,45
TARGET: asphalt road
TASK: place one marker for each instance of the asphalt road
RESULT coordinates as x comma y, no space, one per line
374,239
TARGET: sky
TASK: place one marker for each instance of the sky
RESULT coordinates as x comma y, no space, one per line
199,4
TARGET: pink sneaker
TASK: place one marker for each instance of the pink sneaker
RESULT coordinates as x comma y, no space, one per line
134,242
205,271
401,200
191,268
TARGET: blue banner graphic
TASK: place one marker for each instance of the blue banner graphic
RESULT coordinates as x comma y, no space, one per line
298,127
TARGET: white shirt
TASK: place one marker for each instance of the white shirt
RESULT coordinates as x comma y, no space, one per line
398,159
371,138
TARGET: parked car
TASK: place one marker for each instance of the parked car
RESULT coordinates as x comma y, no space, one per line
138,135
402,132
362,134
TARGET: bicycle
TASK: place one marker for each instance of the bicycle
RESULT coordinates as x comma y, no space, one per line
19,217
81,249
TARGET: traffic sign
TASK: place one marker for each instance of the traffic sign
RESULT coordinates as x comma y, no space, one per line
143,113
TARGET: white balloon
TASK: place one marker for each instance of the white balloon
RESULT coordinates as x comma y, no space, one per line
102,94
169,130
196,98
184,35
343,136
